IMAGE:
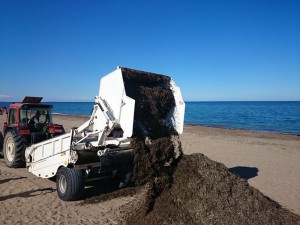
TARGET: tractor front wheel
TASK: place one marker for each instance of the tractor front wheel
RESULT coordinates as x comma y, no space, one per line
14,150
70,183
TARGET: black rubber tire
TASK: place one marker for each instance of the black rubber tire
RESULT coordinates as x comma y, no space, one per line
70,183
1,144
19,146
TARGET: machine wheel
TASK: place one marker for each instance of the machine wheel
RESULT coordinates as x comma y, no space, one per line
70,183
14,150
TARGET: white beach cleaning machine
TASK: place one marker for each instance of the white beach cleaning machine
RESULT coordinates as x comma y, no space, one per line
102,144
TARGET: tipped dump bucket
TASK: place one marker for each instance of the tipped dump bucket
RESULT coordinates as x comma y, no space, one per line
127,91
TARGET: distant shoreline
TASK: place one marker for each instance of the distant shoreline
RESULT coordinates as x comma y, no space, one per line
240,129
46,102
282,117
63,114
213,128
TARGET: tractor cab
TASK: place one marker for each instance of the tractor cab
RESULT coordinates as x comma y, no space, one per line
28,114
27,123
35,119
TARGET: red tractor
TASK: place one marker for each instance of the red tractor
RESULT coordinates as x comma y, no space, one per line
27,123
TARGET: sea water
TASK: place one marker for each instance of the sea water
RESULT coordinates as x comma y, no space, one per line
275,116
279,117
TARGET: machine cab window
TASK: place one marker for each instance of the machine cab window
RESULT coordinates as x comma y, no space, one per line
12,116
27,115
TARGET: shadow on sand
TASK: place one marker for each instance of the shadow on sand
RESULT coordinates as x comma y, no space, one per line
27,194
99,187
244,172
9,179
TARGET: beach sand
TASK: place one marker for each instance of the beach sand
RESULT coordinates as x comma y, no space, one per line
270,162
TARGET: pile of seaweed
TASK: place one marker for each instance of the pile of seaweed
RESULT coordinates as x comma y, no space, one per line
185,189
206,192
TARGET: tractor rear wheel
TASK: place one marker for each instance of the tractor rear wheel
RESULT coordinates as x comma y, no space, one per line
70,183
1,144
14,150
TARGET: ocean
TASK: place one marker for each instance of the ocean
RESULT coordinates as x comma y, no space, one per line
264,116
279,117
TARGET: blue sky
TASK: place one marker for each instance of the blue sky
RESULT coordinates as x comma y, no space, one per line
214,50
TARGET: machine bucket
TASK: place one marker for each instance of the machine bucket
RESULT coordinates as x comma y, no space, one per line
122,89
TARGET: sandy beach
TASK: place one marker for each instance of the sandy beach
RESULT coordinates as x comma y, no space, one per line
270,162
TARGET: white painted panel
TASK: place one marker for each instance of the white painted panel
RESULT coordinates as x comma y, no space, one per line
112,91
56,147
127,116
176,115
49,155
